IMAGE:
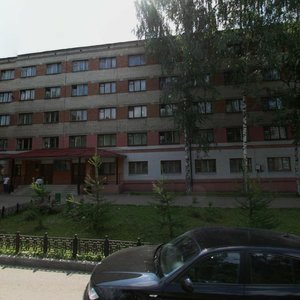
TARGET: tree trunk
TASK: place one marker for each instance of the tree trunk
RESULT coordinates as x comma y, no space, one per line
188,163
297,174
245,140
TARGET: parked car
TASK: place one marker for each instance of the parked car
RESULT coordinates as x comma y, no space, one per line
204,263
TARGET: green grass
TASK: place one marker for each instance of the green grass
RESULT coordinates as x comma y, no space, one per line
128,222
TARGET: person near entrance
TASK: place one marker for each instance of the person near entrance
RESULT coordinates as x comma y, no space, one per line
6,184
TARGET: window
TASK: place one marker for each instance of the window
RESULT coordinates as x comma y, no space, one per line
203,107
217,268
167,110
234,105
108,62
279,164
170,167
138,167
107,140
137,139
52,92
274,103
25,119
137,112
24,144
53,68
27,95
107,113
203,136
78,115
80,65
205,166
271,75
50,142
4,120
108,168
78,141
79,90
236,165
167,82
271,268
168,137
275,133
136,60
5,97
51,117
7,74
3,144
28,71
107,88
234,134
137,85
232,77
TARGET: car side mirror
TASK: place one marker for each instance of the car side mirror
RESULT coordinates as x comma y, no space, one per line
187,285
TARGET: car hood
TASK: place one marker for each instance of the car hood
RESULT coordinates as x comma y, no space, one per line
128,267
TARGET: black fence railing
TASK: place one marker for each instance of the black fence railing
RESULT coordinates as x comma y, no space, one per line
13,209
62,247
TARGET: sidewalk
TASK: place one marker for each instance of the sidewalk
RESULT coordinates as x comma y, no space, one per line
146,199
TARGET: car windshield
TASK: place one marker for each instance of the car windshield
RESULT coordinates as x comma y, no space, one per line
175,253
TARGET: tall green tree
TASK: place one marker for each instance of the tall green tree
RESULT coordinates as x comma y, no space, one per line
181,35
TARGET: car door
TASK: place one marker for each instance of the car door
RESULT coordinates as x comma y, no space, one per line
272,275
212,277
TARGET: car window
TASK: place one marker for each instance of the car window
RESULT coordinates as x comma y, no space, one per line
221,267
268,268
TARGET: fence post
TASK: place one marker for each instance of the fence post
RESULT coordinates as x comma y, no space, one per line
139,243
3,212
106,246
75,247
18,242
45,243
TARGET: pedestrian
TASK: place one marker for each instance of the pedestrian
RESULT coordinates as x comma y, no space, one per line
6,183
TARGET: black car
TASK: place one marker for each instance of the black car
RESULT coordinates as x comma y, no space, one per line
204,263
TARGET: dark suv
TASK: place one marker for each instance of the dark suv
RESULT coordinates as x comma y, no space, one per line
204,263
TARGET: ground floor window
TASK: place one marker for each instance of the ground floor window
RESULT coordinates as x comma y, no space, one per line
170,166
278,164
138,167
205,166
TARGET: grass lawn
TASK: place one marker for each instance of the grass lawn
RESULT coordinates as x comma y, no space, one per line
128,222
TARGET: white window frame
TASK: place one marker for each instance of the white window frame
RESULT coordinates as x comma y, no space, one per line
51,117
108,88
137,112
208,165
8,74
4,120
107,140
78,115
24,143
27,94
234,105
28,71
137,85
279,164
107,113
52,92
25,119
5,97
77,141
272,133
80,65
137,139
136,60
108,63
54,68
137,167
51,142
169,167
80,90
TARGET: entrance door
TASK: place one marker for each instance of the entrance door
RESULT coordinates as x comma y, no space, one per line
47,173
78,175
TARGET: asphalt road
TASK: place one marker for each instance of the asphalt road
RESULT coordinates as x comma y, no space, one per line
31,284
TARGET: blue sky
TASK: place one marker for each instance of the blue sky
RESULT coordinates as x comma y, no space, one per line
28,26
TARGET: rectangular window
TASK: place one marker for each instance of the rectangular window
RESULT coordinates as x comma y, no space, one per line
78,141
170,167
205,166
273,103
234,105
137,112
27,95
167,82
108,168
234,134
52,92
28,71
5,97
78,115
137,85
108,62
138,167
80,65
107,113
3,144
279,164
24,144
236,165
51,117
136,60
204,136
107,140
271,75
167,110
137,139
79,90
53,68
108,88
50,142
203,107
7,74
168,137
4,120
25,119
275,133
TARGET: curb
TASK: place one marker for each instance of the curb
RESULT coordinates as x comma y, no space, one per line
46,263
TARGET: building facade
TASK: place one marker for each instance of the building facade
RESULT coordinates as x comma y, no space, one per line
58,107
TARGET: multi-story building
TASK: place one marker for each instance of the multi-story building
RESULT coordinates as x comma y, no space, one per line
58,107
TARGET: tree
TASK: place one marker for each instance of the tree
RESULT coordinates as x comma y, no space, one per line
181,35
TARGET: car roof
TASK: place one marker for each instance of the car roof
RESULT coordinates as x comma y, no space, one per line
218,237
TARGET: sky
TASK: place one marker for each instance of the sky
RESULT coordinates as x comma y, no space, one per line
28,26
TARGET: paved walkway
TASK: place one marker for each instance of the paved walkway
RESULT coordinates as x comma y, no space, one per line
145,199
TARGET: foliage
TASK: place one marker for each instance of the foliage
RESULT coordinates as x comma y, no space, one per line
40,193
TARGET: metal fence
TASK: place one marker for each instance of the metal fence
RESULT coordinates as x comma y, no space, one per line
60,247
